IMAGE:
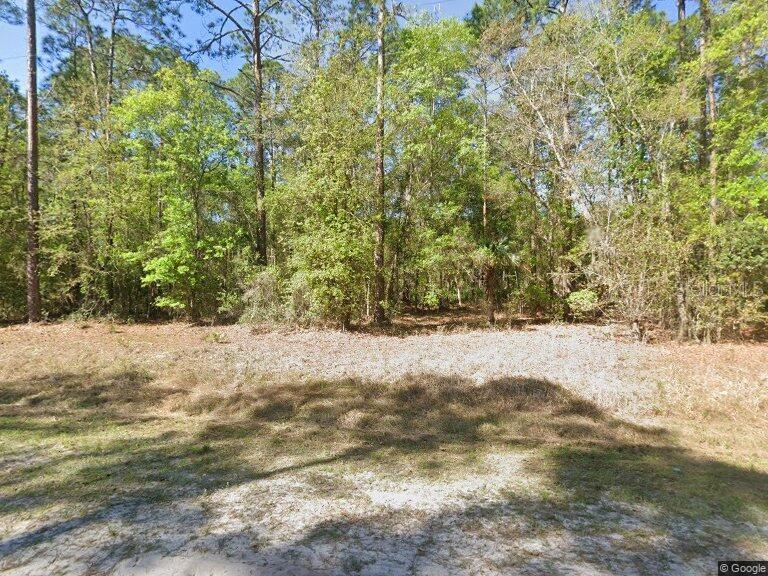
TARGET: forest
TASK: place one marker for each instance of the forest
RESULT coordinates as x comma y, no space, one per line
560,159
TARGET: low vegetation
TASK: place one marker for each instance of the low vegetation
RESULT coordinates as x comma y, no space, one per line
103,437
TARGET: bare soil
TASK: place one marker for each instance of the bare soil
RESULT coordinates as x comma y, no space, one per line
435,447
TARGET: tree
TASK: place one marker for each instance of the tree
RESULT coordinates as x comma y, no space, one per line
178,136
102,26
256,30
533,158
33,197
379,296
433,142
322,209
13,203
86,210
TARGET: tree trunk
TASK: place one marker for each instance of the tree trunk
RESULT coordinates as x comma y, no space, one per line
317,25
91,41
681,55
680,295
681,22
316,18
711,107
106,266
379,295
33,202
489,274
393,290
489,281
111,57
258,113
682,311
666,205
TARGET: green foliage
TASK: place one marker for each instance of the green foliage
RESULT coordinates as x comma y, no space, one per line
264,298
178,138
12,201
583,304
332,263
535,157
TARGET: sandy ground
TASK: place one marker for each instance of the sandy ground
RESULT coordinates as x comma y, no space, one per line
341,517
600,363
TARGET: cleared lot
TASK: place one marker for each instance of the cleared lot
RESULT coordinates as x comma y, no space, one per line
174,449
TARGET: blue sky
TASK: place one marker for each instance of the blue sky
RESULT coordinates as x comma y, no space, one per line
12,38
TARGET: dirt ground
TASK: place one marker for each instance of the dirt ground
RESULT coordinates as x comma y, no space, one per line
436,447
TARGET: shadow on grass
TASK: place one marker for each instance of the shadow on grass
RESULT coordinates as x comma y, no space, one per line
99,446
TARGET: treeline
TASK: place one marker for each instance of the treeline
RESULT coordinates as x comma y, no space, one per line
570,160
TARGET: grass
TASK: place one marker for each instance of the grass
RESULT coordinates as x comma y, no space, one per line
75,443
80,439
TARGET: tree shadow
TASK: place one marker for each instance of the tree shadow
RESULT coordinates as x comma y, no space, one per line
107,447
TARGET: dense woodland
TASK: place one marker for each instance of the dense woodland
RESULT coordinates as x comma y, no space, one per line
570,160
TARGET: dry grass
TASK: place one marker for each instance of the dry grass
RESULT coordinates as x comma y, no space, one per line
725,383
98,418
98,379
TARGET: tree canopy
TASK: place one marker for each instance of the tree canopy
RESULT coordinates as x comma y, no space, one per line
571,160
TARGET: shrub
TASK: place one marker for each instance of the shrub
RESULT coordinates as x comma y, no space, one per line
331,263
583,304
263,298
431,300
